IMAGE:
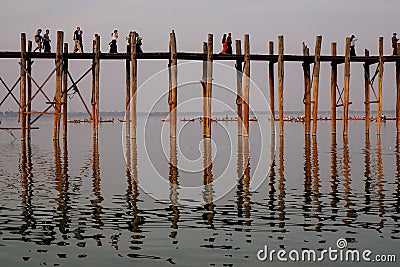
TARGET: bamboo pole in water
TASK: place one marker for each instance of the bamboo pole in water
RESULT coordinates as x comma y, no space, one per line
128,89
29,88
59,83
208,93
133,83
333,89
174,84
23,86
346,87
246,89
307,90
380,82
65,93
239,89
280,82
271,83
398,92
96,87
317,64
367,87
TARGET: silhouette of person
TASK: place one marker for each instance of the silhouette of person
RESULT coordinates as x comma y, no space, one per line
394,43
353,40
38,40
77,40
229,44
113,43
46,42
224,44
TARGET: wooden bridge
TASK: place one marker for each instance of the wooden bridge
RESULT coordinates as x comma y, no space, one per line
339,97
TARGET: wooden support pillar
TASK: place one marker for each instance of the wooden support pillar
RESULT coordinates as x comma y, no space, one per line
204,86
367,87
398,92
96,88
333,89
317,64
346,87
239,89
246,89
133,83
128,89
173,101
208,93
380,83
65,93
307,91
23,86
271,83
59,83
281,74
29,88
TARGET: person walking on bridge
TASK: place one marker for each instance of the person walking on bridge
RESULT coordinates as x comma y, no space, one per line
394,43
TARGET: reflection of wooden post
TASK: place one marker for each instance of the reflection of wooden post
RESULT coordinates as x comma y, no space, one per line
333,89
271,83
133,83
398,92
208,93
317,63
96,87
280,82
380,82
59,84
246,89
23,86
307,90
128,89
239,92
29,88
346,87
367,93
174,84
65,93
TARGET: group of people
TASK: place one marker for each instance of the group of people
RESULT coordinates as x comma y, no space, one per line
353,40
42,41
227,44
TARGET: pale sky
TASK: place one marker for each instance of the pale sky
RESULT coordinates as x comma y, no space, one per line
192,20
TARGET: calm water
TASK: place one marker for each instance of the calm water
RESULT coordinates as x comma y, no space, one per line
115,203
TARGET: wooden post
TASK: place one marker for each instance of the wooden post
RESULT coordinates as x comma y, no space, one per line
59,84
346,87
96,87
174,84
133,83
398,92
307,91
317,63
204,86
280,82
208,93
380,82
239,92
333,89
23,86
367,86
65,93
29,87
271,83
246,89
128,90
